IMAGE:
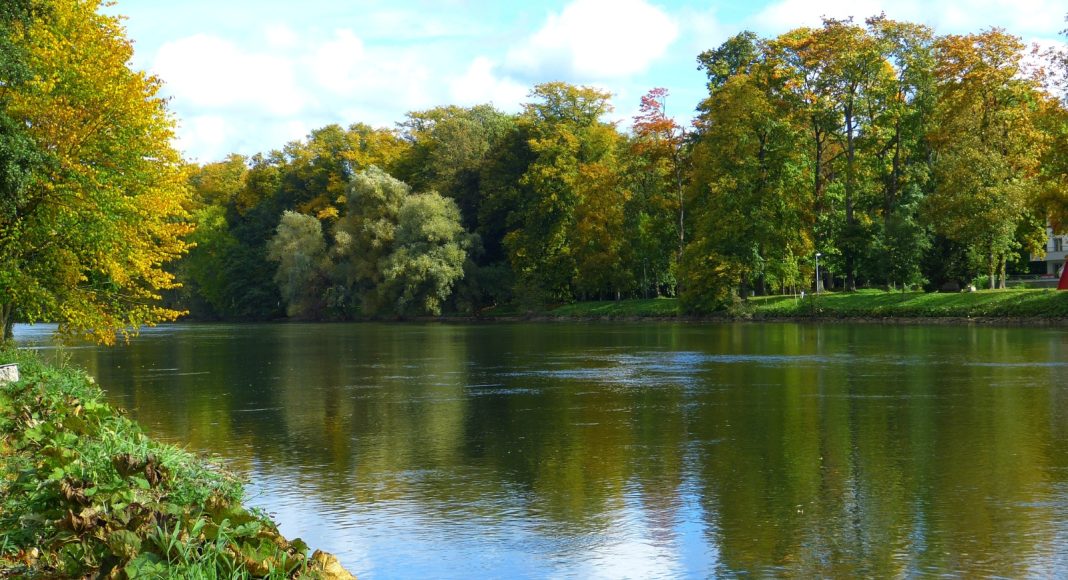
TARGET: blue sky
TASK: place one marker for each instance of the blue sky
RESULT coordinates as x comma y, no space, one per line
249,75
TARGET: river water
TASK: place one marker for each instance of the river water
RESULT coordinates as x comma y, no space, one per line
625,450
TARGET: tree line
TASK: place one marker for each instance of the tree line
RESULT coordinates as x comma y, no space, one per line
904,158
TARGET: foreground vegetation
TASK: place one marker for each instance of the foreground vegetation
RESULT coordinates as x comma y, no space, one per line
1015,303
86,493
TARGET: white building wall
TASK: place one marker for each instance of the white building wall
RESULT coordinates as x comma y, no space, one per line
1056,252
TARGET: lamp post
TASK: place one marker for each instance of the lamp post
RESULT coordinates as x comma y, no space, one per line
818,272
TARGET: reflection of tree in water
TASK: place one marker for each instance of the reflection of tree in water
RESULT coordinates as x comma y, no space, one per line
807,450
875,470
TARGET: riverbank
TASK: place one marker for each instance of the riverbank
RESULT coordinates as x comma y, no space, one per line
1015,306
86,493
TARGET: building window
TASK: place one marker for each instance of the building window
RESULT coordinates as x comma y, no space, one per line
1058,244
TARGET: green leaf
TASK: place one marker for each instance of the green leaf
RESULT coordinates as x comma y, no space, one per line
147,565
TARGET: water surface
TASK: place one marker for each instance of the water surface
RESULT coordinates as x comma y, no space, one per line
626,450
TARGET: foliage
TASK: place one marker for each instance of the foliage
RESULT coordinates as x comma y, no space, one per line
988,146
393,252
85,493
748,200
449,148
365,236
656,212
902,157
428,256
93,189
572,152
300,250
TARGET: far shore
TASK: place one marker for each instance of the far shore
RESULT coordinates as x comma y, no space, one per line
1012,307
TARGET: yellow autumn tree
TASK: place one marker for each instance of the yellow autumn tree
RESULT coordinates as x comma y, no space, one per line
88,233
987,144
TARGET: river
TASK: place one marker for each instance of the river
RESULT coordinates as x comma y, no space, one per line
625,449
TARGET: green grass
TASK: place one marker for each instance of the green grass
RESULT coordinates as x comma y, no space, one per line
653,307
1012,303
85,493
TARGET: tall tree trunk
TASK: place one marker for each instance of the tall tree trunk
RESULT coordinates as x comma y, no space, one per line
1003,283
818,169
850,185
7,321
991,269
677,163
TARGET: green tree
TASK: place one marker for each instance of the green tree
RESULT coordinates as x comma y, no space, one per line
319,168
365,236
565,136
656,164
449,147
897,152
735,56
300,250
748,198
428,255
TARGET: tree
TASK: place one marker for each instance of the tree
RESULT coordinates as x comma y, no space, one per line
427,257
300,250
365,236
748,198
657,148
565,136
898,153
987,146
1053,117
449,147
600,246
89,228
398,251
318,169
841,71
735,56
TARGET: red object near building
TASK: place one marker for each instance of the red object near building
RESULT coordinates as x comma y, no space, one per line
1064,278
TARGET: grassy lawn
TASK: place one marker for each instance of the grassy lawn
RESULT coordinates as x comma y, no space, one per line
876,303
619,308
1017,302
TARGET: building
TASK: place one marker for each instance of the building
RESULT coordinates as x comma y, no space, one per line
1056,250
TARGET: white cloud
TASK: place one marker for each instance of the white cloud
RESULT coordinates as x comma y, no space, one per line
338,62
480,84
595,39
704,29
208,134
281,36
262,96
208,71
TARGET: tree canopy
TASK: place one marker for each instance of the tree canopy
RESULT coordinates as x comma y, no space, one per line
901,156
93,189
